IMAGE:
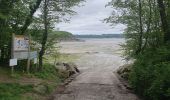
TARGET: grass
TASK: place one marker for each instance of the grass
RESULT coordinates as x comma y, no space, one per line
68,57
13,91
5,70
49,72
12,88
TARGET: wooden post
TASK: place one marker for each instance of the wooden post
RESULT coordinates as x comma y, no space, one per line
12,52
37,61
28,61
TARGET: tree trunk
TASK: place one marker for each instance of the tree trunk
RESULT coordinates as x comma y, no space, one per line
28,21
5,9
45,35
164,21
141,29
148,25
168,14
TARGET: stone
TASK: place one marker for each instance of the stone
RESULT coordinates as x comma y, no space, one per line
69,67
41,89
124,71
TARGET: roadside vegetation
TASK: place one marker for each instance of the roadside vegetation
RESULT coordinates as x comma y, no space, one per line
147,44
13,91
35,85
37,19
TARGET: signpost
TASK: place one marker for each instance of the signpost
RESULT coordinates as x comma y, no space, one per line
33,54
28,61
0,52
21,50
13,62
12,54
21,43
35,60
24,55
21,55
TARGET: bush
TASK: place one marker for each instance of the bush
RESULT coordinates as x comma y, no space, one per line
161,85
150,75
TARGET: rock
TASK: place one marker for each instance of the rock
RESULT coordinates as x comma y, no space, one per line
124,70
41,89
77,70
63,74
60,66
71,68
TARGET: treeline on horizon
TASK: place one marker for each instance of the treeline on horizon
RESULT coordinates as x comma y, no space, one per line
101,36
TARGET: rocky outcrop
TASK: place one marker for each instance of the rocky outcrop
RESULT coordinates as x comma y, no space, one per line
123,75
71,68
124,71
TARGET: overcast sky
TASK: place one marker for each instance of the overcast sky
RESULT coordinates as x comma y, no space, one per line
89,19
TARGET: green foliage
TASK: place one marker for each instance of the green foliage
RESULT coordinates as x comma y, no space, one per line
16,16
13,14
160,86
146,43
139,35
62,34
13,91
150,74
49,72
53,36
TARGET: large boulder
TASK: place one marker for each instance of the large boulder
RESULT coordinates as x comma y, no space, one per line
60,66
124,71
69,67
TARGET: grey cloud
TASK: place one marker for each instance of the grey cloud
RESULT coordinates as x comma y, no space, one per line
88,19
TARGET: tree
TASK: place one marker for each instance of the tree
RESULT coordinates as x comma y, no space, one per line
163,15
141,28
6,7
15,16
28,21
147,41
53,11
143,24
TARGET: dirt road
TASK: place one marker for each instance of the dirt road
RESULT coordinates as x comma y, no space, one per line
99,59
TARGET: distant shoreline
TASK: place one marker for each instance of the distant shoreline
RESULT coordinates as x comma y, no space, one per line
100,36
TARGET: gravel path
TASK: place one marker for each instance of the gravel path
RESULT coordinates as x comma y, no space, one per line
97,80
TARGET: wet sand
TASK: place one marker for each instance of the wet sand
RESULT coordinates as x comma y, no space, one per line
99,58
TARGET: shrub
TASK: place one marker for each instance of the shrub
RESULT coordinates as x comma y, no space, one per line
50,72
150,75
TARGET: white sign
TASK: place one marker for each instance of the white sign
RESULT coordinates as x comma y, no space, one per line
21,43
13,62
24,55
33,55
21,55
35,60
